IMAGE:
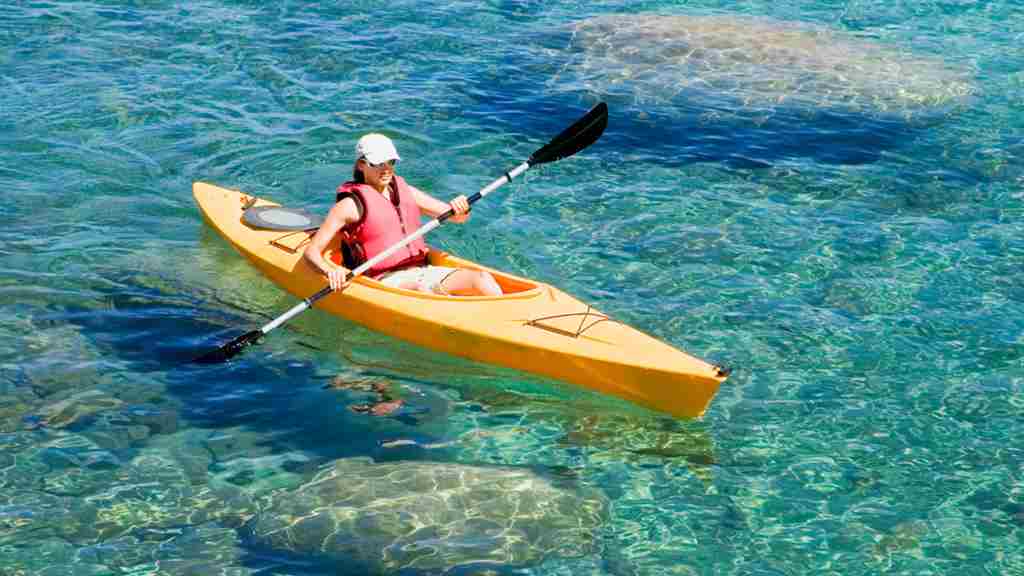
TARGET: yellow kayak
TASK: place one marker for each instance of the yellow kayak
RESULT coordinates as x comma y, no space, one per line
533,327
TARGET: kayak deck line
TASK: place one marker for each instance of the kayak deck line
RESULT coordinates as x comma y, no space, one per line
536,322
533,327
280,241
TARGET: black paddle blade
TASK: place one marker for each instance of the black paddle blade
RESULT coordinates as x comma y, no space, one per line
229,350
581,134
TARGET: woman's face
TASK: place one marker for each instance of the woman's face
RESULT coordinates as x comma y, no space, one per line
378,175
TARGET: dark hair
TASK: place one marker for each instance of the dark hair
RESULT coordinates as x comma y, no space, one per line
357,174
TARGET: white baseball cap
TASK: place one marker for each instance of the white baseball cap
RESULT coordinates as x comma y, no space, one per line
376,148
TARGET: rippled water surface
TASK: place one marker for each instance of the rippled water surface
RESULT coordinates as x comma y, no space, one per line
849,241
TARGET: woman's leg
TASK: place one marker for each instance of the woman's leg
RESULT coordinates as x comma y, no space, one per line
463,282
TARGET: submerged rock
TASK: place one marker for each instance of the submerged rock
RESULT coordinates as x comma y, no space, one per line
81,405
431,516
759,64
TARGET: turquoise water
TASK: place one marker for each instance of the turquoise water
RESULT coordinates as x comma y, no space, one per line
855,258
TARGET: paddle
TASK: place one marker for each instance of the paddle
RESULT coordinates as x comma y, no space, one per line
581,134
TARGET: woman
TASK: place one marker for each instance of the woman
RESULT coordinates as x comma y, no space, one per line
379,208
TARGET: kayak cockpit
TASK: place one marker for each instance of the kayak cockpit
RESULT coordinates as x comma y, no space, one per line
511,286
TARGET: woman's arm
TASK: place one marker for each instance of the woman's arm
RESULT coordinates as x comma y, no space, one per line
342,213
433,207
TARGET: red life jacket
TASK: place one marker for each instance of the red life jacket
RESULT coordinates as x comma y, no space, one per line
382,224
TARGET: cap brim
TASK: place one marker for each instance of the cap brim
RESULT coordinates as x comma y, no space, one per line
381,158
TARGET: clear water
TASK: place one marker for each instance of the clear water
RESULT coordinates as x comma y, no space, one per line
860,271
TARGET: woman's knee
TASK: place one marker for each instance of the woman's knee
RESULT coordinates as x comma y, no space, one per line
487,285
471,282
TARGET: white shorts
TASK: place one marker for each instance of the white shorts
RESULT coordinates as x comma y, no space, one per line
422,278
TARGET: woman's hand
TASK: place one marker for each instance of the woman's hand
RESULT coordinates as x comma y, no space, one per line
460,206
342,214
337,277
